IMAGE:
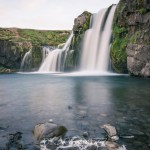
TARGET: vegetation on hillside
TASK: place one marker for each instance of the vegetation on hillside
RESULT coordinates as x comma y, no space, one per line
36,37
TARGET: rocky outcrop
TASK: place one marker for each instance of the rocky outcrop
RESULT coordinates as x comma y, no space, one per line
131,43
138,59
81,24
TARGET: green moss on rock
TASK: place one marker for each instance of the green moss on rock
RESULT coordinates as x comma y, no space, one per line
36,57
131,37
118,53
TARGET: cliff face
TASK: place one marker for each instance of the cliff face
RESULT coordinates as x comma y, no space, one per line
131,37
14,43
11,55
81,24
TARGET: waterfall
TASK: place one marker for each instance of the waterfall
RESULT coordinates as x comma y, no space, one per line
55,60
26,61
97,40
45,51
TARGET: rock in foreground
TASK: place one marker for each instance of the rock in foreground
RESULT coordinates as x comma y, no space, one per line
111,131
48,130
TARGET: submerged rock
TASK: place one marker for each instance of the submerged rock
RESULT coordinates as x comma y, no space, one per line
48,130
82,114
111,145
14,142
85,134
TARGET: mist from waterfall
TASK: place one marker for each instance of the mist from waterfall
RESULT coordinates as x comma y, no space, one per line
97,41
55,60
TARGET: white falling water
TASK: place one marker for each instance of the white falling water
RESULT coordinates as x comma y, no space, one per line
45,51
26,61
96,43
55,60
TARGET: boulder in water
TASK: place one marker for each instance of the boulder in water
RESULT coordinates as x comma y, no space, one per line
111,130
48,130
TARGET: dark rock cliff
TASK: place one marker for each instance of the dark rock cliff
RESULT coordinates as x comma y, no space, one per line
81,24
11,55
131,31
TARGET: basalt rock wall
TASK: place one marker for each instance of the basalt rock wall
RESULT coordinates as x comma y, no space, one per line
130,50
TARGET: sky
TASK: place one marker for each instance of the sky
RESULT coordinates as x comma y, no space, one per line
47,14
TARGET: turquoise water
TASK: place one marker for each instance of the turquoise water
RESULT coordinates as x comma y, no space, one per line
81,103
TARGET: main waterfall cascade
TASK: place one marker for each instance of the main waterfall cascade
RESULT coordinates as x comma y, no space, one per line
55,60
95,53
97,41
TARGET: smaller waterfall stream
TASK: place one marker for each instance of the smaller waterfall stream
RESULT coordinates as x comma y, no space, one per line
55,60
26,61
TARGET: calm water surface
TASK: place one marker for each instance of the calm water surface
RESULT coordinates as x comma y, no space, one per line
79,103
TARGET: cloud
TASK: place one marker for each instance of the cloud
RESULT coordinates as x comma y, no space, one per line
3,11
46,14
32,5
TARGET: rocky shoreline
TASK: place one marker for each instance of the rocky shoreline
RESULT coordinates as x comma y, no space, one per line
50,136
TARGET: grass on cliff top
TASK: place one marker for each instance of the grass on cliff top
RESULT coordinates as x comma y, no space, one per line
36,37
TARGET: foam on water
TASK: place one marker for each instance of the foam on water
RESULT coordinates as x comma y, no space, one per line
76,142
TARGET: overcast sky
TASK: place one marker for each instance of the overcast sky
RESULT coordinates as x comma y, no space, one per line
46,14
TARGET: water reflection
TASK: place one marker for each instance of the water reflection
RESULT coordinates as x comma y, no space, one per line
79,103
90,98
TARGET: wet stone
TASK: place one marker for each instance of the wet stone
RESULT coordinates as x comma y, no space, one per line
14,142
85,134
82,114
50,121
2,129
48,130
135,132
103,115
111,130
92,147
51,146
111,145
